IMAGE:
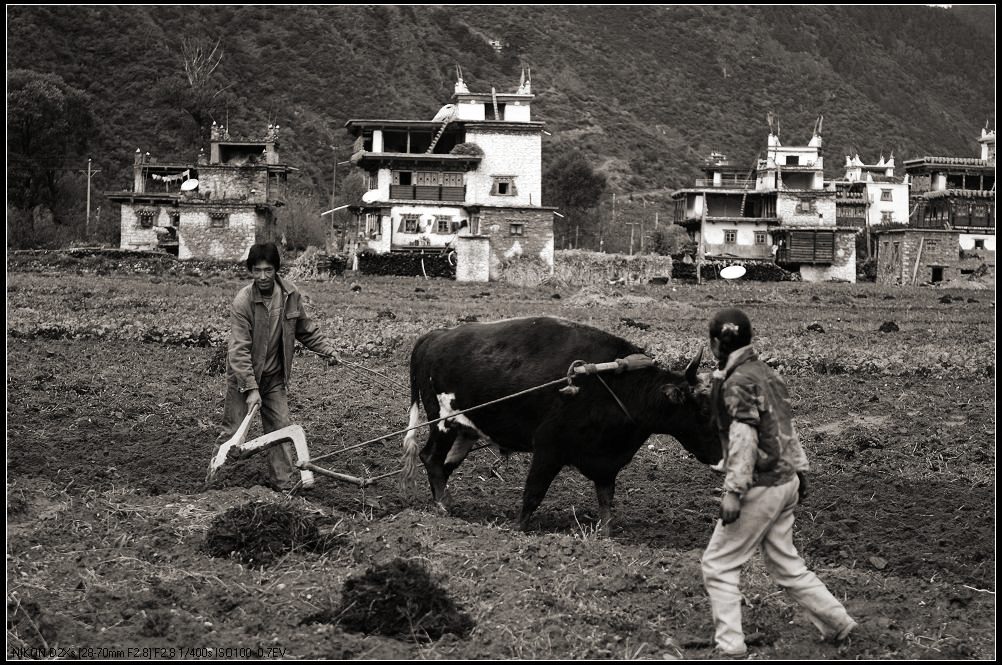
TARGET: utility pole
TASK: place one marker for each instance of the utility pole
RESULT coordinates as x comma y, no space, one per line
337,241
90,174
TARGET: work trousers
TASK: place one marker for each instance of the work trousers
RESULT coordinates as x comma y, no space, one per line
766,523
274,416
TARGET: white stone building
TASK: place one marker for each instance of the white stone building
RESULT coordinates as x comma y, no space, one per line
472,175
215,208
782,210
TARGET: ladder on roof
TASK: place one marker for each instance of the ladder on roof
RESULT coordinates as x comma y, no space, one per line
744,198
441,130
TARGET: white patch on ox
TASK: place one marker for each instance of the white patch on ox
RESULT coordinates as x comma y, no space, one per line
445,410
461,448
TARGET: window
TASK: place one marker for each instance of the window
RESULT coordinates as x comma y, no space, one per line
219,220
430,178
175,218
452,179
373,182
792,160
760,237
886,195
443,224
516,229
410,223
403,177
475,225
504,185
146,218
979,243
371,224
730,236
930,245
805,205
886,217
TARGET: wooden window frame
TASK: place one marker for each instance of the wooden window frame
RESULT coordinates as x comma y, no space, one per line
734,239
219,220
516,229
447,221
886,195
806,206
499,180
146,217
761,237
410,218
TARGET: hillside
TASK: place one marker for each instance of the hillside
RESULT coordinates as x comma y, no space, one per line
646,92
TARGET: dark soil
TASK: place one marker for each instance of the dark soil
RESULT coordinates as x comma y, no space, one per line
398,599
109,517
258,532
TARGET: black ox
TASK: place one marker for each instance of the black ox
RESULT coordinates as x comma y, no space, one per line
452,370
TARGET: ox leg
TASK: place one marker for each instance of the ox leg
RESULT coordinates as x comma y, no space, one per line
434,456
605,491
542,470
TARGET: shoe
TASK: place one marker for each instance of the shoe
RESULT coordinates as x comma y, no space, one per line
843,634
720,654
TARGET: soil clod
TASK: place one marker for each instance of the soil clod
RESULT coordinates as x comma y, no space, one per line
258,532
397,599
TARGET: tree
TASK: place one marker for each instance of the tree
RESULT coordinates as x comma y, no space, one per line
573,186
49,123
197,88
49,126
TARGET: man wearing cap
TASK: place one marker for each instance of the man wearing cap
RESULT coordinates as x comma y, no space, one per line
764,466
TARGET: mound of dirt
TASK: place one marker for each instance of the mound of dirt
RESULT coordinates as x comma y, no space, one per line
400,598
597,296
258,532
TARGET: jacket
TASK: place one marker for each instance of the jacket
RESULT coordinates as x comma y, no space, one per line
748,391
249,332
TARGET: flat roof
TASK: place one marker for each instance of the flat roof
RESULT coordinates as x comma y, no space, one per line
948,161
357,124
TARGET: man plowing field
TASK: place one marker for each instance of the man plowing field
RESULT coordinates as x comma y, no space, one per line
267,318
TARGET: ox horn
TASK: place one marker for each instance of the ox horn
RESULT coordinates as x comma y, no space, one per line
693,366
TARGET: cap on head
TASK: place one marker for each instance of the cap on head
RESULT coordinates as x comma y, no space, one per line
733,328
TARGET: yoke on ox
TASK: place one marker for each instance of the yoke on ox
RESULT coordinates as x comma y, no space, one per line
596,428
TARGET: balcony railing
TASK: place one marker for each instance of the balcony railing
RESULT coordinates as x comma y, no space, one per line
428,193
743,183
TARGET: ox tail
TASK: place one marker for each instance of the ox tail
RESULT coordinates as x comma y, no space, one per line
408,479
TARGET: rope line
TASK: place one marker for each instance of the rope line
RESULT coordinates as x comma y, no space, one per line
451,415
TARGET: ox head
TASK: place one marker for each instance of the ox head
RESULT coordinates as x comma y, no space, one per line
689,412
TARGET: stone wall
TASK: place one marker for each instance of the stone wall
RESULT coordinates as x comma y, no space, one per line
536,241
234,184
896,264
133,235
197,238
823,213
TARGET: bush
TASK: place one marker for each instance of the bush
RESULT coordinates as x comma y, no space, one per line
467,149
